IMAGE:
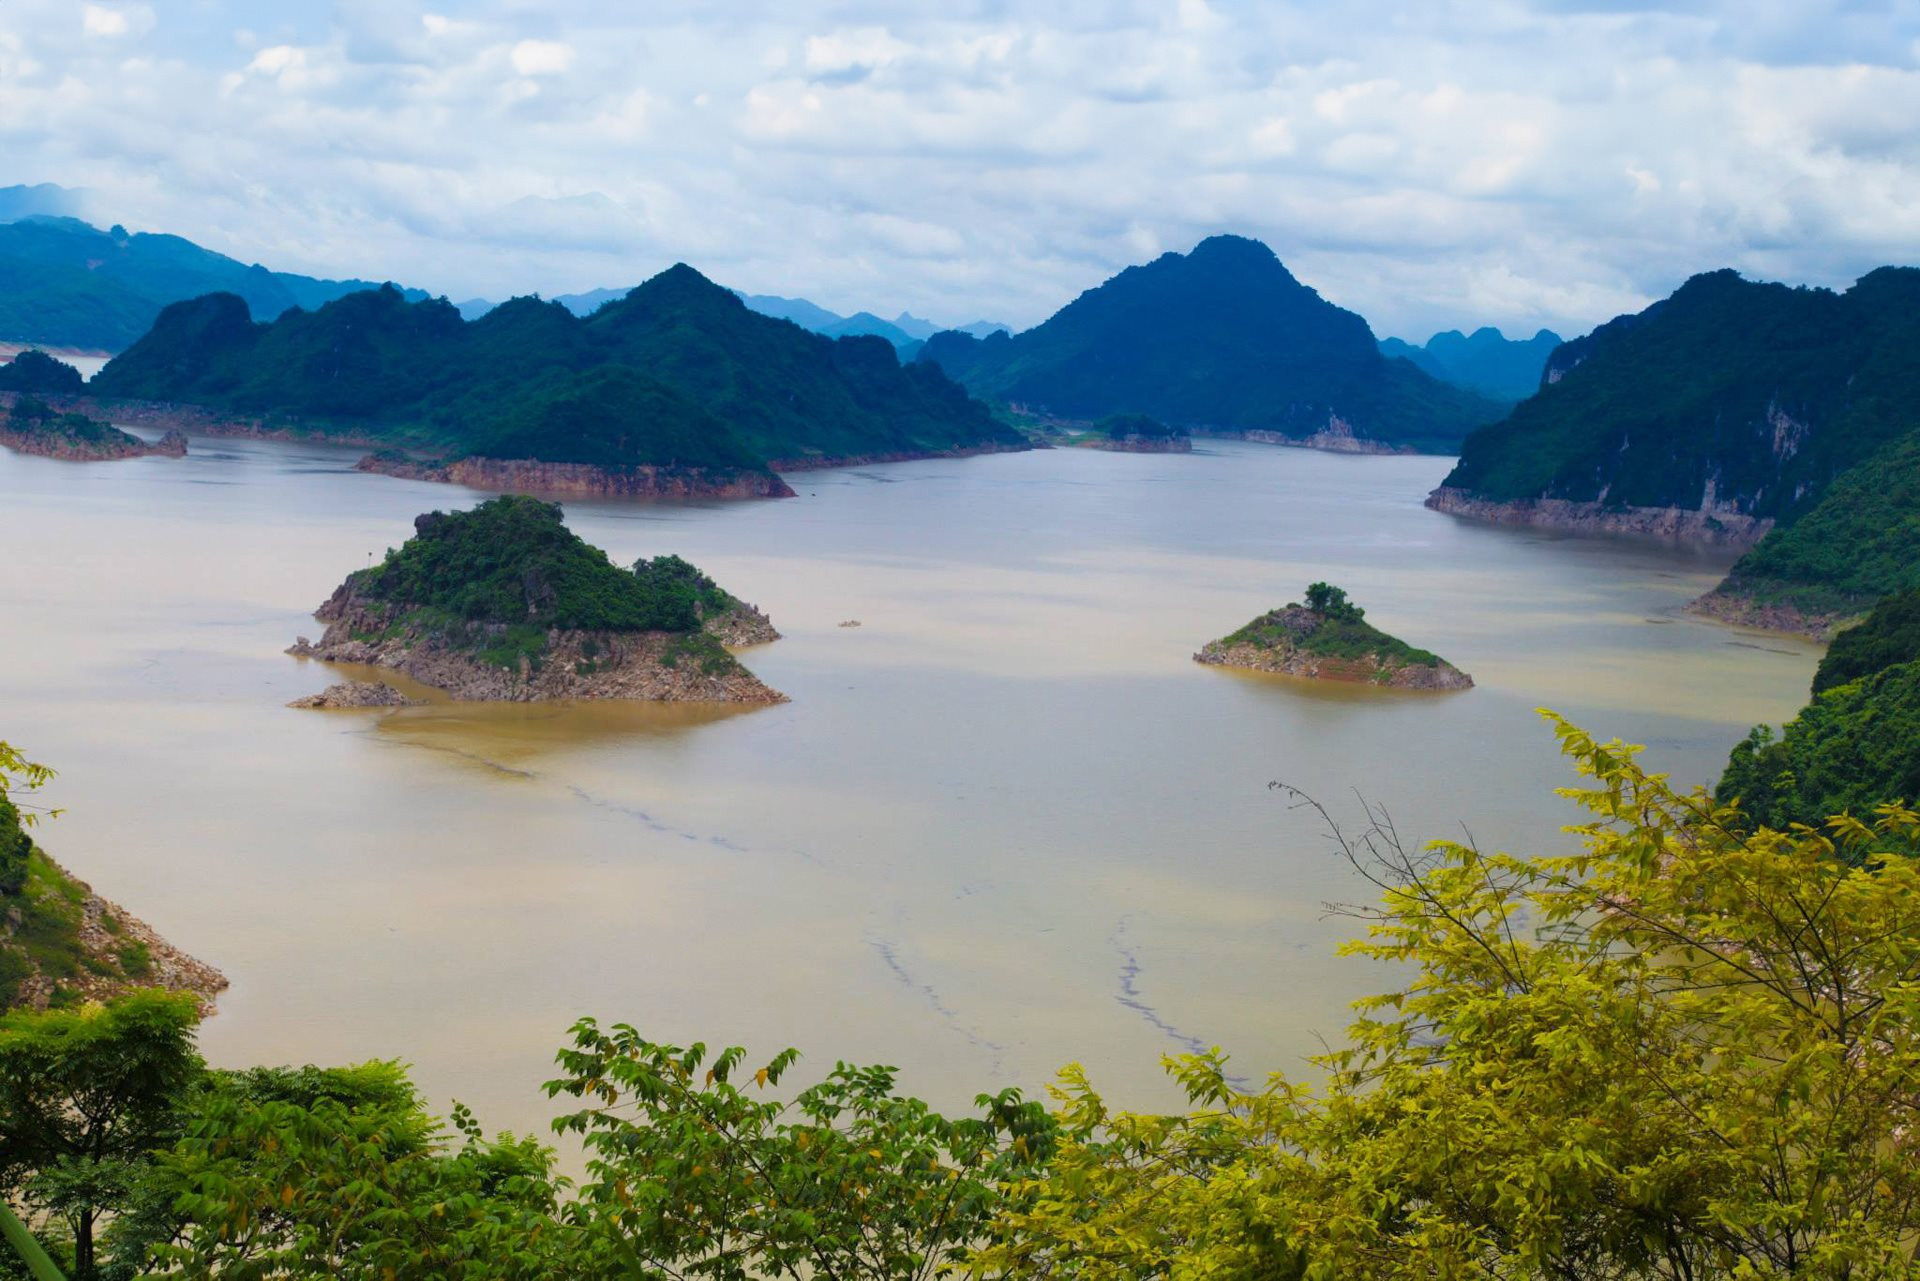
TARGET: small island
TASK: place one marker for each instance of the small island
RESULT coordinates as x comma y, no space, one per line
504,603
1328,638
34,427
1137,434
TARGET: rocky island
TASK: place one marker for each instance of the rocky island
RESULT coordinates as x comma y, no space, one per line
32,426
1328,638
504,603
1137,434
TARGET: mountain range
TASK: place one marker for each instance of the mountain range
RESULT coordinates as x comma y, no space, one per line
1486,361
906,331
1223,340
64,283
678,373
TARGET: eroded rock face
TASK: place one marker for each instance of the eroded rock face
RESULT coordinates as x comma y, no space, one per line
1721,526
739,628
1730,606
354,693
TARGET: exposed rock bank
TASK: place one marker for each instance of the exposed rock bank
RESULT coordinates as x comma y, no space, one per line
1744,611
652,666
1282,650
1721,528
107,930
352,693
579,480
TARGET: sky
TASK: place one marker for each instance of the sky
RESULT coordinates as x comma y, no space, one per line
1429,165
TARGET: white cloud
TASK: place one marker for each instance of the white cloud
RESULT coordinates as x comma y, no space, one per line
1525,162
541,57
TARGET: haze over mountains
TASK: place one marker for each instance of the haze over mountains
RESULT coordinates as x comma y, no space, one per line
1485,361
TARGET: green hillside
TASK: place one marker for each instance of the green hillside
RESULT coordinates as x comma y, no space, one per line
1222,338
1752,397
678,372
64,283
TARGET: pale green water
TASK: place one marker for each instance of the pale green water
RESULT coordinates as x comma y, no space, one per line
1004,824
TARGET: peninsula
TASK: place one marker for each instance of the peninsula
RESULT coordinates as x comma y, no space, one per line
504,603
1328,638
32,426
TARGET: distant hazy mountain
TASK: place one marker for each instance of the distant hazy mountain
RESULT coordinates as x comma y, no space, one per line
677,372
1223,339
44,200
67,284
1485,361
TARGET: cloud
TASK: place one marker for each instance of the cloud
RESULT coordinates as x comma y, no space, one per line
1516,162
541,57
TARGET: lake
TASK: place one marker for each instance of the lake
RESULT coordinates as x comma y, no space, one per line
1003,824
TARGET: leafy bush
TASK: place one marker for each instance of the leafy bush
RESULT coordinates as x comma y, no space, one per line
511,561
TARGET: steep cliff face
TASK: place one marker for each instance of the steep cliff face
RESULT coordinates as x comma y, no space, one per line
1734,401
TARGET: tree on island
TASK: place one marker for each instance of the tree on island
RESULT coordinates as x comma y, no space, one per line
1331,602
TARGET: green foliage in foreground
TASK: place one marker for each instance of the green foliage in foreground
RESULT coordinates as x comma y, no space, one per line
1686,1051
1859,543
1851,749
1683,1052
35,371
1888,635
511,561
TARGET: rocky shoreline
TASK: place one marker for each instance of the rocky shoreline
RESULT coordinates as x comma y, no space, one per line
649,666
1726,529
355,694
69,449
1140,445
1725,606
580,480
1365,670
1327,440
167,966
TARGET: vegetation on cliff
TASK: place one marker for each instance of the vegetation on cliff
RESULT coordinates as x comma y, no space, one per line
1734,394
678,373
38,373
1860,542
1686,1050
1222,338
1856,745
59,943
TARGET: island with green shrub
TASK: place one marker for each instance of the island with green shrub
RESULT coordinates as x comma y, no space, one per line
504,602
32,426
676,389
1136,434
1329,638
